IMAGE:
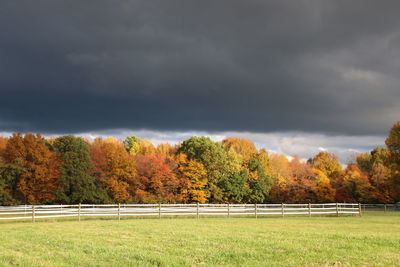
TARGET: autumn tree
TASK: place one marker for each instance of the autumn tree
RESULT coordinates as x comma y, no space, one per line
39,180
3,144
137,146
322,187
304,185
165,149
77,185
393,144
376,165
114,168
146,148
328,163
243,147
217,161
155,181
364,161
280,172
354,186
193,179
264,159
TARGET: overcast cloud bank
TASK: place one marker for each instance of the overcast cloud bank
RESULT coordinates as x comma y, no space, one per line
294,76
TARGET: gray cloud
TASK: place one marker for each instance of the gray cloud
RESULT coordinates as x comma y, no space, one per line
257,66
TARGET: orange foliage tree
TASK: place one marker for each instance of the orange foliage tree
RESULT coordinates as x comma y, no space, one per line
354,186
39,180
376,165
114,168
3,144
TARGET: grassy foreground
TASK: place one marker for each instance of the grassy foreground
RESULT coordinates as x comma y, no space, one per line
372,240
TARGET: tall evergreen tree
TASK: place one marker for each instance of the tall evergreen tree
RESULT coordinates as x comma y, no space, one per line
9,174
77,185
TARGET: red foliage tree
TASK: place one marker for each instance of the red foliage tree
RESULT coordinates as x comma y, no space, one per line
155,181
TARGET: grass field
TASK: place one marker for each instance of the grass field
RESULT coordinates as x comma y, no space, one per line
372,240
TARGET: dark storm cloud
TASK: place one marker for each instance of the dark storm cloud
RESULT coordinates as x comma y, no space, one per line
259,66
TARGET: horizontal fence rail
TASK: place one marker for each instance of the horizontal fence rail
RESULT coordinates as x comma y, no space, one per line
35,212
380,207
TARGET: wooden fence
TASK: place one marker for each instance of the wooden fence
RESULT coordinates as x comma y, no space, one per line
379,207
118,211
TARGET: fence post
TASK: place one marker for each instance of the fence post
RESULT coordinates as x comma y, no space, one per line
159,210
283,209
337,209
33,213
119,211
255,210
79,212
229,210
359,209
309,209
385,207
198,210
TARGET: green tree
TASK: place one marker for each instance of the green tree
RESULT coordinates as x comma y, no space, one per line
219,163
259,183
76,184
9,174
132,145
235,187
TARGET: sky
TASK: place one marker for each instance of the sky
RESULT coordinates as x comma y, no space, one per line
295,77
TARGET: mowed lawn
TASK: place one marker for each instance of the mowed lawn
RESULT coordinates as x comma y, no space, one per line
372,240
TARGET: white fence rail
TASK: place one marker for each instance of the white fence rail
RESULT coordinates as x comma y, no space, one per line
35,212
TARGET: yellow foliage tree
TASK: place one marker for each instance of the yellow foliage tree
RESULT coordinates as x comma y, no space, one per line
323,189
193,178
244,147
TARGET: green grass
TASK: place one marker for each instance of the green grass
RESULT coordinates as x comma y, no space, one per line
372,240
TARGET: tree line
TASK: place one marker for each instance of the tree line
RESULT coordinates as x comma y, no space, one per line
70,170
